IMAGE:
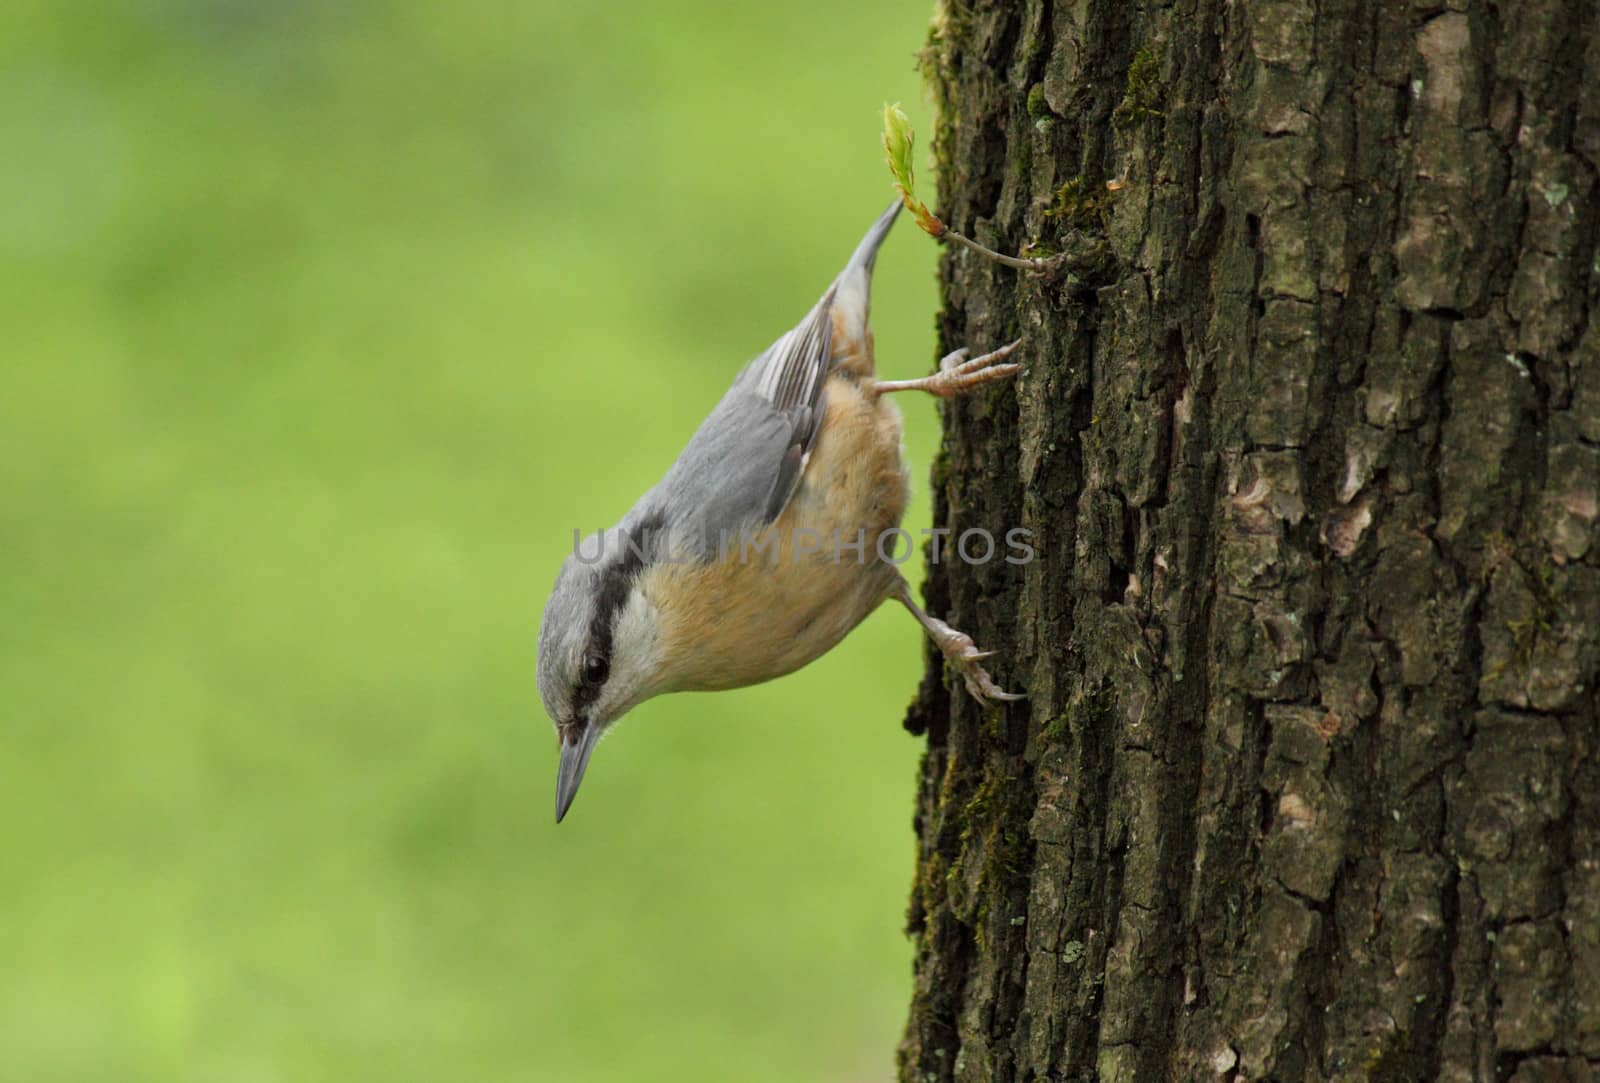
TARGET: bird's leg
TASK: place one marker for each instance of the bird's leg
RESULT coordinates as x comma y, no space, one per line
957,374
958,648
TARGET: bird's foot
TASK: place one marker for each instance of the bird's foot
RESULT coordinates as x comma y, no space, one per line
960,374
965,658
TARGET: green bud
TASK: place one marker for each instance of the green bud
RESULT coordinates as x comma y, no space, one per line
898,139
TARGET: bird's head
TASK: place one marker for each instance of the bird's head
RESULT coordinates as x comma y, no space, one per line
600,649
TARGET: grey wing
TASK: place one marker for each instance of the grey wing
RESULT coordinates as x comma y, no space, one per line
742,465
791,376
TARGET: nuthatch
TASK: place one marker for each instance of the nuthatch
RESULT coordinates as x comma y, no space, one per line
715,579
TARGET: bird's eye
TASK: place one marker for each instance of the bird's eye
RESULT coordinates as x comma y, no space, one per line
595,669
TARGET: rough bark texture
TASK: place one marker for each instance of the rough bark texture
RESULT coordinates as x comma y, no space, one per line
1307,786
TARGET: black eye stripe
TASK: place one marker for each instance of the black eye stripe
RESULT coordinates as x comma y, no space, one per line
611,595
589,685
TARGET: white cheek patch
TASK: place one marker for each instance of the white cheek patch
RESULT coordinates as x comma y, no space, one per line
635,657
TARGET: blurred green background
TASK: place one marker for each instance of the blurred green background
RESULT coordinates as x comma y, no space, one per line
325,324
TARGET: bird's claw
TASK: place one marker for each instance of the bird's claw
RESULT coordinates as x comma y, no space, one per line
966,658
959,374
954,358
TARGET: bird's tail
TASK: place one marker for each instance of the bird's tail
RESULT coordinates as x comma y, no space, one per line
852,300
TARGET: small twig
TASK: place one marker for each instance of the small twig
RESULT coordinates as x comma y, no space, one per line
1038,266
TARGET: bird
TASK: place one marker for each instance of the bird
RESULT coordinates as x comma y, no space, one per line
721,575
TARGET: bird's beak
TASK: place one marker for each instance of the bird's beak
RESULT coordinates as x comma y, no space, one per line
575,755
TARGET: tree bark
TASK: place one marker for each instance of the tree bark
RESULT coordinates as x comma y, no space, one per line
1307,783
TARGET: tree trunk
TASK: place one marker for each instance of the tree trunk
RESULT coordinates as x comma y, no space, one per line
1307,784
